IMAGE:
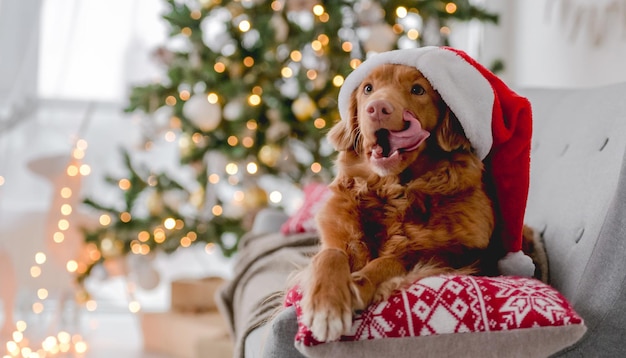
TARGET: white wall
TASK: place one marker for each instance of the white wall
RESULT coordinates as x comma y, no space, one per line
559,43
93,50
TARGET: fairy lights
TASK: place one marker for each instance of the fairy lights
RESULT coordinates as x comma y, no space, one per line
170,100
104,220
217,210
219,67
63,342
40,258
319,123
254,99
244,26
451,8
401,12
338,81
275,197
286,72
212,98
296,56
252,168
169,223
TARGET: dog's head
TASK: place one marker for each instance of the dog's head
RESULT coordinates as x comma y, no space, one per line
395,116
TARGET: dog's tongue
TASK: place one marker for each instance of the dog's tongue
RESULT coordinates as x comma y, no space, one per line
408,138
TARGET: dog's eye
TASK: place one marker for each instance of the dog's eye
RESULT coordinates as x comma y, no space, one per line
368,88
418,90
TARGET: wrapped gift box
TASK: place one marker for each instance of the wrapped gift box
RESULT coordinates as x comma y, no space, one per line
195,295
186,335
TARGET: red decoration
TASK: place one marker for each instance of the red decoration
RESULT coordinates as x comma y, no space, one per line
454,304
315,195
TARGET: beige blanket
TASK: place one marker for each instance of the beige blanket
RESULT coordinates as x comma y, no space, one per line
255,294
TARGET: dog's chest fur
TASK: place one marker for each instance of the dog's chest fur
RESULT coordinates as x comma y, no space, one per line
386,207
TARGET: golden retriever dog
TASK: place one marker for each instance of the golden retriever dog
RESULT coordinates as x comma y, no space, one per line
408,200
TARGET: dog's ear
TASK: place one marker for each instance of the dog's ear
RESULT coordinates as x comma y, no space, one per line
450,134
343,135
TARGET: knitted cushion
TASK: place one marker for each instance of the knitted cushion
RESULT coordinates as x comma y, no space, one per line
441,305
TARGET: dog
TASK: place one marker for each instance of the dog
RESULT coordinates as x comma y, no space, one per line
408,201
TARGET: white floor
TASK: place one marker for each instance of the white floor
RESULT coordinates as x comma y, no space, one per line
112,331
115,335
107,335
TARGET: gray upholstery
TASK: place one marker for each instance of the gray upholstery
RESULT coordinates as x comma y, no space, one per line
577,201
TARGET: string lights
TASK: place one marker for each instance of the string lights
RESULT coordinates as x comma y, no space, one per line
63,206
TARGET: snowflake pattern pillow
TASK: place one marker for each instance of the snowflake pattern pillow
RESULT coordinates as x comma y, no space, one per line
526,315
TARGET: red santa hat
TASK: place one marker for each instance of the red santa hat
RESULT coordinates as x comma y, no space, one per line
496,120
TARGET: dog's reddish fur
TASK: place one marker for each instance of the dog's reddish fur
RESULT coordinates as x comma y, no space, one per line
426,214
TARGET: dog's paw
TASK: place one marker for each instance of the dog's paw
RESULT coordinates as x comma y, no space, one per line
328,313
362,291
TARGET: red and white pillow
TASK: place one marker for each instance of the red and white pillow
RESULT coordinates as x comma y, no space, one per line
315,195
510,313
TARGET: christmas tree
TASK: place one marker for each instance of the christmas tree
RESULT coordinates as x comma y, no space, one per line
250,92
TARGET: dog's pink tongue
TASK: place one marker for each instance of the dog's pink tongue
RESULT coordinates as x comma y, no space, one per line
409,138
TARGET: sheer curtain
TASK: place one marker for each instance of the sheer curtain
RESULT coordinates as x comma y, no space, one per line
93,50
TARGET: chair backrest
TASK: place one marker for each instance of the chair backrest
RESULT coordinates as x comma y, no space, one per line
577,201
579,141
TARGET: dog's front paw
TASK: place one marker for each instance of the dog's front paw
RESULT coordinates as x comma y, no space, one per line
362,291
327,311
327,297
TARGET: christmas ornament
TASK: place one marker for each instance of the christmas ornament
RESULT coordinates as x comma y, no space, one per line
381,38
277,130
154,202
233,110
300,5
303,107
197,198
110,247
281,28
185,145
205,115
255,198
270,154
161,117
214,31
369,13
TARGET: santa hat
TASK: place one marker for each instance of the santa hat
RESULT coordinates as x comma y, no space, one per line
496,120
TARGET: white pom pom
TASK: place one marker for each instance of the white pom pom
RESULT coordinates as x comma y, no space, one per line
516,264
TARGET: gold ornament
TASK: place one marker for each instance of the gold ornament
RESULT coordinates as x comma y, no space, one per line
110,246
197,198
155,203
255,198
270,154
185,144
303,107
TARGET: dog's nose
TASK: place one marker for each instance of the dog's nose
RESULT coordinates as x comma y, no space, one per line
379,110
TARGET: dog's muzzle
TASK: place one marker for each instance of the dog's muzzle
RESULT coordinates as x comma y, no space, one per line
390,143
